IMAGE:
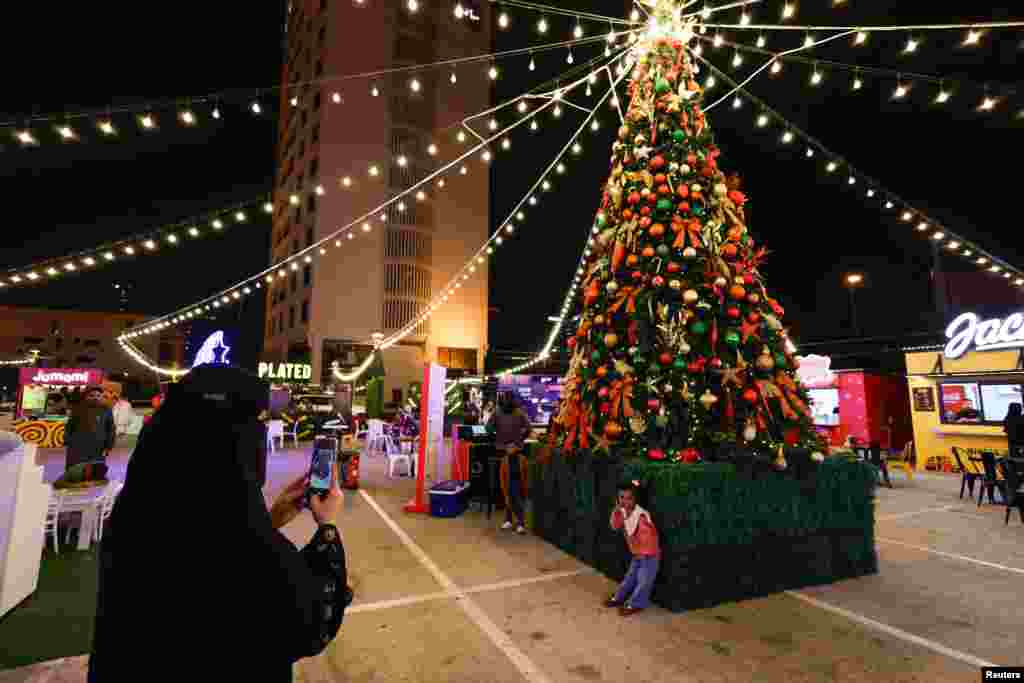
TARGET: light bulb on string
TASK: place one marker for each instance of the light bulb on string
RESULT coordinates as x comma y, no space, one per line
900,92
577,32
542,26
745,19
256,108
506,143
942,97
718,40
107,128
788,10
710,82
557,111
973,38
415,85
569,59
66,132
533,64
493,124
912,45
810,152
461,137
808,41
522,106
737,102
987,104
533,125
375,91
492,73
216,112
858,83
453,79
776,66
336,98
860,38
737,60
787,137
634,16
816,77
761,41
503,20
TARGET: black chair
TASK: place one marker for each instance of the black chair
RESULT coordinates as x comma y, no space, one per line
1014,491
969,475
990,482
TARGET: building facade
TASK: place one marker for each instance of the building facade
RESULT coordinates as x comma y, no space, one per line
85,339
332,134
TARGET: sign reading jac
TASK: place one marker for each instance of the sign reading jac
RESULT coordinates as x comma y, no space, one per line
295,372
968,330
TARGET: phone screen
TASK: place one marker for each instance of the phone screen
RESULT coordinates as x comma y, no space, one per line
321,469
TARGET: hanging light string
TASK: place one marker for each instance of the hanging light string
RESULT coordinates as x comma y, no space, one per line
234,292
954,244
872,29
218,98
768,64
179,232
570,294
173,234
707,11
23,361
548,9
843,66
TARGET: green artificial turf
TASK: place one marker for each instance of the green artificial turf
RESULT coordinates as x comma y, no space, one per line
57,620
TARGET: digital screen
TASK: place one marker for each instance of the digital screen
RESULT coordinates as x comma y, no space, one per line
996,400
961,403
825,406
321,469
479,430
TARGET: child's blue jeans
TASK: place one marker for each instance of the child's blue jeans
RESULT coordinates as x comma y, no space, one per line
635,590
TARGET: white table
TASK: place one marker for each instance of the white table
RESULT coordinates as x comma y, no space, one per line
86,501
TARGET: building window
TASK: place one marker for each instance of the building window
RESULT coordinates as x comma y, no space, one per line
457,359
319,72
304,118
307,276
305,311
302,145
323,5
309,236
322,37
291,317
974,402
295,247
316,133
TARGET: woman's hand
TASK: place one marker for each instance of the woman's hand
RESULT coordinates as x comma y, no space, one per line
289,503
326,510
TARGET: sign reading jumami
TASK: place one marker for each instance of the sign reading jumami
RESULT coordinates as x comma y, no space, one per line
288,372
968,332
60,377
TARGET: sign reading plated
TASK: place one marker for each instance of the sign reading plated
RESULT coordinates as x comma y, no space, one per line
296,372
924,399
968,332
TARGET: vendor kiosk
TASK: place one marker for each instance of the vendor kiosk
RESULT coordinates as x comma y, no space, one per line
42,408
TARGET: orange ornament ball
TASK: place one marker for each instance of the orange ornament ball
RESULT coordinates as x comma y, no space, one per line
602,371
730,251
737,292
657,230
613,430
648,252
660,179
735,234
611,339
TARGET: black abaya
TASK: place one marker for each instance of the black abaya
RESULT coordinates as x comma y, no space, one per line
195,584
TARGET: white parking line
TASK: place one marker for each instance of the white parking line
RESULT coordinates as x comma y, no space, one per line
893,631
501,640
443,595
962,558
901,515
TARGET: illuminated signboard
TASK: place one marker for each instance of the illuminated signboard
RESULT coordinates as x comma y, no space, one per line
295,372
968,332
214,351
815,372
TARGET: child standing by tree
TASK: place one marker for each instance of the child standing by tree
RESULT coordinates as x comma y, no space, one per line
635,591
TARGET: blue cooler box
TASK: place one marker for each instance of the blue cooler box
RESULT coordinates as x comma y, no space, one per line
448,498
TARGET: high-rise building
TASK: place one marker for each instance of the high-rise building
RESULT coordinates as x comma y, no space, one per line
364,140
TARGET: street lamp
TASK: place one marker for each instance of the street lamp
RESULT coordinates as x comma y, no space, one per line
853,282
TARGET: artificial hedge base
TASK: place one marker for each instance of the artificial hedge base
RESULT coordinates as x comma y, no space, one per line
726,533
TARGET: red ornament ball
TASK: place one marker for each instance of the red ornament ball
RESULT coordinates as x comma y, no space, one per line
656,454
648,252
729,251
645,222
657,231
634,198
613,430
645,211
673,267
715,362
733,312
665,358
664,190
684,190
657,163
653,404
660,179
605,408
750,396
748,278
638,275
690,455
753,317
737,292
684,207
603,392
658,281
602,371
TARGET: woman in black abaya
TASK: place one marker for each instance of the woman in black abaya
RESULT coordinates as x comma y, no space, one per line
196,581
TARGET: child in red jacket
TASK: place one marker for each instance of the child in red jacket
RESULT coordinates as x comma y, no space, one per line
641,536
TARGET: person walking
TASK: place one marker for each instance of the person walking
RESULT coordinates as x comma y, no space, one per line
90,431
1013,425
194,560
511,427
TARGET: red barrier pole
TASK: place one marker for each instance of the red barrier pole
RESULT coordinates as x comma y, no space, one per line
418,504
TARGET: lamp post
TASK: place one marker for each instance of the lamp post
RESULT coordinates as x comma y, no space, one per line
853,282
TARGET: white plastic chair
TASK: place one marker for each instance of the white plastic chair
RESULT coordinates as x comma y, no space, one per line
81,501
292,433
275,430
377,438
106,507
396,456
52,517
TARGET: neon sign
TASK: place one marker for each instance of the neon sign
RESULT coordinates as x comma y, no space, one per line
61,377
293,371
213,351
969,330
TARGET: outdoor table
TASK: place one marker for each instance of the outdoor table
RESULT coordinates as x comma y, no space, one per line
86,500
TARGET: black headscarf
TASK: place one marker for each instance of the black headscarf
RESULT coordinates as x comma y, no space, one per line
194,580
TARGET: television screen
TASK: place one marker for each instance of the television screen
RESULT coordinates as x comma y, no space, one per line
961,403
996,400
825,406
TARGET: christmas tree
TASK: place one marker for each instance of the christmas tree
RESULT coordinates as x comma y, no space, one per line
679,347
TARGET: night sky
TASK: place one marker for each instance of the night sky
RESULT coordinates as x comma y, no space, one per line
950,161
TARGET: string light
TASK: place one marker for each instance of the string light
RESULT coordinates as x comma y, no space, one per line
737,60
860,38
542,26
147,121
858,83
776,66
973,38
942,97
911,46
987,104
816,77
107,128
336,98
761,42
900,92
503,20
256,108
493,73
415,85
788,10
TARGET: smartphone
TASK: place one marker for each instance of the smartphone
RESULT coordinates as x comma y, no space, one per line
321,466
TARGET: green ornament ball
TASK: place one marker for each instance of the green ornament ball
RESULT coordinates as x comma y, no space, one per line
662,86
601,221
595,356
699,327
780,360
679,364
697,210
679,136
664,205
732,338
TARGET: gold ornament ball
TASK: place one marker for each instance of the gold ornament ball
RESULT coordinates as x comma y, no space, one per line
675,284
721,282
611,339
708,400
683,348
612,287
599,320
738,280
750,432
690,296
765,362
754,298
